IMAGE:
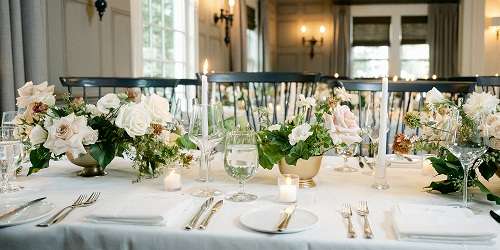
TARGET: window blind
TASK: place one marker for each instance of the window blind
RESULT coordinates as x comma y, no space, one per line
413,29
371,31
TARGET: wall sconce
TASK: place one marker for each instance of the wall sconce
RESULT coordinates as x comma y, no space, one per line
100,6
494,23
313,41
227,17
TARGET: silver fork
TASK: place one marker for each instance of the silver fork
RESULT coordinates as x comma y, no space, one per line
347,213
52,219
363,212
91,200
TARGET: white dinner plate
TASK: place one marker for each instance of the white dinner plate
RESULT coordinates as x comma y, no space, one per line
266,220
26,215
398,160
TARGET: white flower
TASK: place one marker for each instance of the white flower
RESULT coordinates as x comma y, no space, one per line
480,104
168,137
93,110
108,102
300,133
66,134
91,137
274,127
31,93
492,125
38,135
158,109
342,94
434,97
302,101
134,118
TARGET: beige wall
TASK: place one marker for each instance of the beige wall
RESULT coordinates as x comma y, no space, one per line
292,14
270,35
211,36
491,44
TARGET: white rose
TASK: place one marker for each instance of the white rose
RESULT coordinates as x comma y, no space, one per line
91,137
108,102
300,133
31,93
274,127
168,137
480,104
66,134
434,97
158,108
38,135
134,119
342,126
92,109
302,101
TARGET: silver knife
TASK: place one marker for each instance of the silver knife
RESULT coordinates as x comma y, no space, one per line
196,217
214,210
288,212
21,207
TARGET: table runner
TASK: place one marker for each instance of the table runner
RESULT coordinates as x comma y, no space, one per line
61,186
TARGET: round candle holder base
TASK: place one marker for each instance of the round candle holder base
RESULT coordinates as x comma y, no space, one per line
309,183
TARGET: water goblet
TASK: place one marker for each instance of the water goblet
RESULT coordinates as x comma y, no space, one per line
346,151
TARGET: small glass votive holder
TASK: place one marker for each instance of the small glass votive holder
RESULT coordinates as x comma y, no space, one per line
288,187
172,177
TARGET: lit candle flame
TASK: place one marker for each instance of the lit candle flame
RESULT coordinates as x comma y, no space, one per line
205,66
303,29
395,78
231,5
322,29
434,77
336,75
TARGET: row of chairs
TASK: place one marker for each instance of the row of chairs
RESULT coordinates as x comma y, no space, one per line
247,94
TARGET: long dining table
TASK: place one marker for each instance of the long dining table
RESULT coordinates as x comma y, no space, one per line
119,192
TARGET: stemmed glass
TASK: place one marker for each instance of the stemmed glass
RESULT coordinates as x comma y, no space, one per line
10,150
468,143
346,151
206,138
241,161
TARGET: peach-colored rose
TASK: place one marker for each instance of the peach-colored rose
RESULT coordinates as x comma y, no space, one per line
30,93
342,125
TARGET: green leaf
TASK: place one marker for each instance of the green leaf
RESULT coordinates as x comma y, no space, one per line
444,187
487,169
103,153
489,195
441,166
184,142
39,159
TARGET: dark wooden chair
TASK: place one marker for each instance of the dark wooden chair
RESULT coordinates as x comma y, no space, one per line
93,88
273,90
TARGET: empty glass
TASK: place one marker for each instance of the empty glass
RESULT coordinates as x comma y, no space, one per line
206,130
241,161
346,151
468,143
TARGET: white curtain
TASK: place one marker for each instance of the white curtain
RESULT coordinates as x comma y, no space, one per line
23,47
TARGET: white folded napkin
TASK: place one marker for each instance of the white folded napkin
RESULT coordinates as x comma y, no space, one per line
444,224
140,210
399,162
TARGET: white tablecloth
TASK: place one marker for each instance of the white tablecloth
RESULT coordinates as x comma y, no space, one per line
60,184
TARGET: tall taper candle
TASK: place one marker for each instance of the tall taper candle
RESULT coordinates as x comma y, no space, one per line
380,181
204,101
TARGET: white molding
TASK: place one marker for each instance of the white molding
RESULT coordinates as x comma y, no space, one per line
136,37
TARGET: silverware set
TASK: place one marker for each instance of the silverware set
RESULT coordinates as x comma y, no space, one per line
82,201
362,211
193,223
287,215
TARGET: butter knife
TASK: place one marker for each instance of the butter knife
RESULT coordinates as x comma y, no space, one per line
196,217
214,210
287,214
21,207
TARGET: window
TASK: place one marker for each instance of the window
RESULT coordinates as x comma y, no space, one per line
167,38
370,47
414,47
252,40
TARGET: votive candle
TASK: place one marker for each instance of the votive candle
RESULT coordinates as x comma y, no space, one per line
288,187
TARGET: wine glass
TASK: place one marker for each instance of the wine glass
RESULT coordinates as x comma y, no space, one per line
206,130
468,143
10,149
8,118
241,161
346,151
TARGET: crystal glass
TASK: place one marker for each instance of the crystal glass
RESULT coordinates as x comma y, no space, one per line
8,118
468,144
346,151
10,150
288,187
206,137
172,177
241,161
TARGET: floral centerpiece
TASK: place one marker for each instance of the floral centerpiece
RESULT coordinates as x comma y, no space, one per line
118,123
317,128
434,121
